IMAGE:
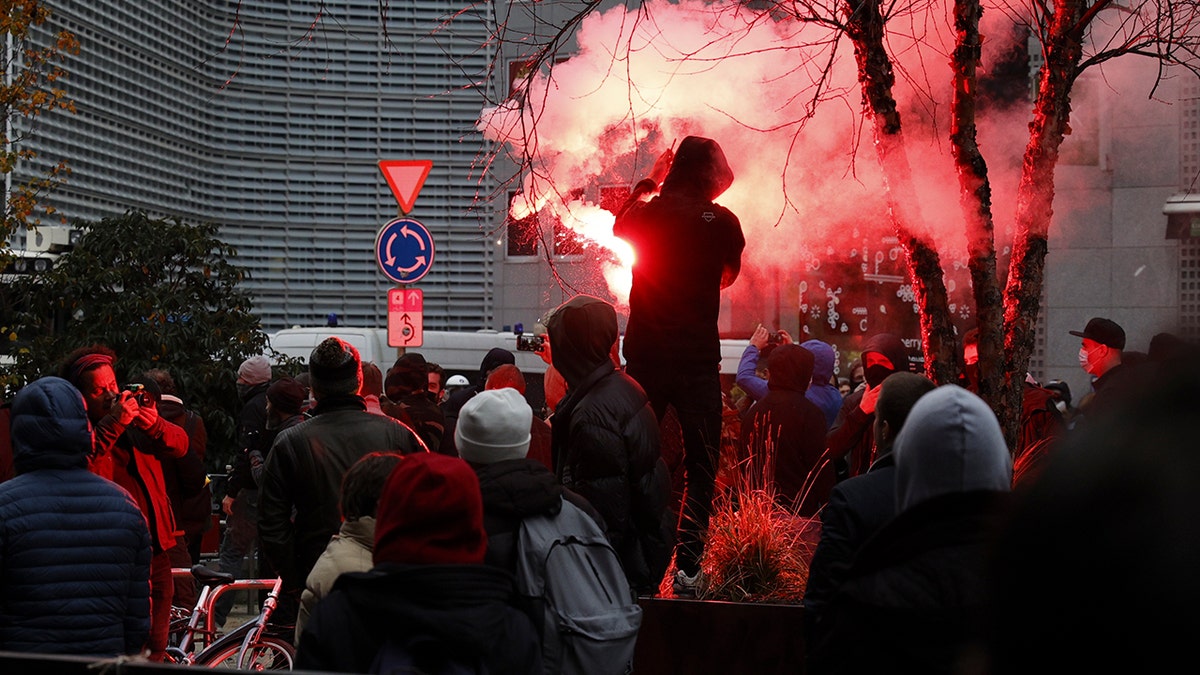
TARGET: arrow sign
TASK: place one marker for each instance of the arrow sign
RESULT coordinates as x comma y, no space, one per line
406,178
405,317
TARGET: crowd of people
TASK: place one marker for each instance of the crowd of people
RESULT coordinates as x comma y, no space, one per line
391,502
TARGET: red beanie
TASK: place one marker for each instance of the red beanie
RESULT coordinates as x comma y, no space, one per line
430,513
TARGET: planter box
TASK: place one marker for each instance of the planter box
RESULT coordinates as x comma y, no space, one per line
691,637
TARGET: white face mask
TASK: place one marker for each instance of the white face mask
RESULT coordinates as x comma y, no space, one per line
1061,405
1083,358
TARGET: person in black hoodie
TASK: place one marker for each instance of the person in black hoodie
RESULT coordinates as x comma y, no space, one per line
851,440
783,435
605,440
688,249
429,601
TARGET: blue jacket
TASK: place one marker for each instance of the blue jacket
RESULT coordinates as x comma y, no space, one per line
74,547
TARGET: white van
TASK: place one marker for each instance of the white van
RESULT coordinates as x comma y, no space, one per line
455,351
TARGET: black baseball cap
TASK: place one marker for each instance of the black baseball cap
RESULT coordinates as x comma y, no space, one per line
1105,331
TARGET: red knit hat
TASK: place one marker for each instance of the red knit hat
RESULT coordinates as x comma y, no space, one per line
430,513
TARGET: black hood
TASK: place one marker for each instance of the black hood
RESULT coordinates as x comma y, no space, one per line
496,357
699,169
582,333
790,368
50,428
890,346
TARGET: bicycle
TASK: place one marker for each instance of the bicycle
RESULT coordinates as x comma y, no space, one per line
247,647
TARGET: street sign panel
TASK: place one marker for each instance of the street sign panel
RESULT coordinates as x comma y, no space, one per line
404,250
406,315
406,178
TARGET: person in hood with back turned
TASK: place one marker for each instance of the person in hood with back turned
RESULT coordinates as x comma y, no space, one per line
605,440
915,596
851,441
783,435
688,249
74,547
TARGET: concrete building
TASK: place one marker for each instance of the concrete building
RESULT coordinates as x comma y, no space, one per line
242,114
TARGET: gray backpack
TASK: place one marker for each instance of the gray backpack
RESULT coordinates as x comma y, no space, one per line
590,618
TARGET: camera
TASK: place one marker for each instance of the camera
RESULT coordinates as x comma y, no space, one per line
138,391
528,342
775,338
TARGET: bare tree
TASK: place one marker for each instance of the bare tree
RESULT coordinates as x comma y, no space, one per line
1073,35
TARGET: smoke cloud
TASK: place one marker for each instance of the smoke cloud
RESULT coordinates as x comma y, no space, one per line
782,99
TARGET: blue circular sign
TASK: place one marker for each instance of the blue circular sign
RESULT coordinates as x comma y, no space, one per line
404,250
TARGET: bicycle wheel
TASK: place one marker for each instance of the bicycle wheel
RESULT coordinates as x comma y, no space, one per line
269,653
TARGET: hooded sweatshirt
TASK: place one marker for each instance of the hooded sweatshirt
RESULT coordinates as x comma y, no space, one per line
75,569
605,440
688,248
915,594
851,440
821,391
784,434
951,442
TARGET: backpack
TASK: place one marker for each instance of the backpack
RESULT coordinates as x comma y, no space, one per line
589,618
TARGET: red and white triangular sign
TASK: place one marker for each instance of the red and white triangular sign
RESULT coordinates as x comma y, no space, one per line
406,177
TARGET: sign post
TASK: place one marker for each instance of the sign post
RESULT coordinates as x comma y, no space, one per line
404,251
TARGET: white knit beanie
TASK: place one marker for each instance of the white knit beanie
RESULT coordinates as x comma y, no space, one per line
493,426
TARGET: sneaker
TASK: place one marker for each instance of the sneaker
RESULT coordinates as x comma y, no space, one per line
685,586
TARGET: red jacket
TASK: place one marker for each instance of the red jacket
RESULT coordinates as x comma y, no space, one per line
129,457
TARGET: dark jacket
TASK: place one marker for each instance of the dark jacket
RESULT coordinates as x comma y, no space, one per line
688,248
783,435
857,509
74,547
513,490
606,441
421,414
915,594
252,424
851,440
1042,429
304,472
463,607
186,478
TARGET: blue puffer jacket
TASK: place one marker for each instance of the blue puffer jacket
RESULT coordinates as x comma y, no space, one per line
74,547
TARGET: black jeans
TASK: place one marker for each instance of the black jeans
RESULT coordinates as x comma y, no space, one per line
694,390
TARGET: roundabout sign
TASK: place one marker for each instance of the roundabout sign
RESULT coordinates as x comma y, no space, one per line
404,250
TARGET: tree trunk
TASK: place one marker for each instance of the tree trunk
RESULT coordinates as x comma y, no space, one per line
1035,194
865,28
976,199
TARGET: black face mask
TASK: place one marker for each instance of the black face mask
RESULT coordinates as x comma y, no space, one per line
971,370
875,374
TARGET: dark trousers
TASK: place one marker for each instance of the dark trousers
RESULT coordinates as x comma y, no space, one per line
185,585
694,391
162,589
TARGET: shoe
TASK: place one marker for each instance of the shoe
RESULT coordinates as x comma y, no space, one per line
685,586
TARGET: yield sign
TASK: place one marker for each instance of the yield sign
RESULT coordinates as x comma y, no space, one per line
406,177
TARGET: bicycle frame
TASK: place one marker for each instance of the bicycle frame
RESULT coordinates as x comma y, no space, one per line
249,642
199,628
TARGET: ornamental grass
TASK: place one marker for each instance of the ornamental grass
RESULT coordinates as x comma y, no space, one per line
757,549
